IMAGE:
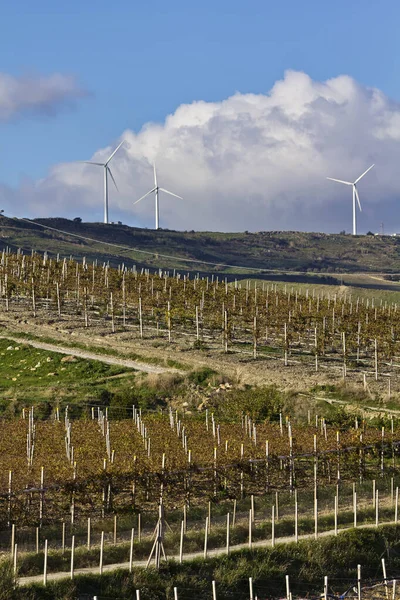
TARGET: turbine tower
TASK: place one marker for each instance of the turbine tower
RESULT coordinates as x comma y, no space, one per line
107,171
355,195
156,189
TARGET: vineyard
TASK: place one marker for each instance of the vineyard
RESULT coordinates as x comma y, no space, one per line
62,469
348,336
48,469
69,478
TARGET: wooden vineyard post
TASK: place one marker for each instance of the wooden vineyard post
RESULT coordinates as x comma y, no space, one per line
169,321
62,537
112,313
227,533
58,299
377,508
101,553
88,533
315,516
225,331
336,514
288,595
273,527
15,559
205,538
139,528
296,517
181,542
234,512
45,564
255,338
140,319
33,298
131,551
72,556
41,494
325,587
12,539
115,529
373,492
250,529
214,590
344,355
251,594
376,358
385,578
359,582
197,324
355,508
396,505
285,359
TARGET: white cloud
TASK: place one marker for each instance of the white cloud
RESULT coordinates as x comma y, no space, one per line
36,94
252,161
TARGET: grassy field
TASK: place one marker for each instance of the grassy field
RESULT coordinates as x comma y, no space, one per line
47,379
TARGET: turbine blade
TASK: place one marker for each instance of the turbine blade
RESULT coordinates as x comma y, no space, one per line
116,150
365,172
170,193
89,162
145,196
112,177
340,181
155,175
358,198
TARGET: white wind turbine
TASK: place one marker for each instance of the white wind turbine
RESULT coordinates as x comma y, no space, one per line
157,189
107,171
355,195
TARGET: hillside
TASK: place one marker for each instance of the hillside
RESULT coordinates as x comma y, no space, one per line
267,251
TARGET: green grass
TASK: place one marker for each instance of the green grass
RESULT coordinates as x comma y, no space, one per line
306,564
32,376
151,360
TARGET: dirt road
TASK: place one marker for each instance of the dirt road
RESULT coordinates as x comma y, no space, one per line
110,360
188,557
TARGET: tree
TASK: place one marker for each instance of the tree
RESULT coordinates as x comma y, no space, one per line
77,220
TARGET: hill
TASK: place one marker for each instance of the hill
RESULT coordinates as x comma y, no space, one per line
232,253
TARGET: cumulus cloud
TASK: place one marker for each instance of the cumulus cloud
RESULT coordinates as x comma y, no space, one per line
252,161
44,95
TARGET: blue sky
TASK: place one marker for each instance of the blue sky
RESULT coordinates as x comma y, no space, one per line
139,61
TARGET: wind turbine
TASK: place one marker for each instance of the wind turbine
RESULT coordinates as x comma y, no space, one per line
107,171
355,195
157,189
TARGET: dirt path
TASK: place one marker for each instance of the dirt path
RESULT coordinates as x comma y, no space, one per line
188,557
110,360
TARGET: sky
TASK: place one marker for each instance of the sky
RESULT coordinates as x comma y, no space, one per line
245,107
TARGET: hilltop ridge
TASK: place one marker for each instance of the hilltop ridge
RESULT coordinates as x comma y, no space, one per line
286,251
